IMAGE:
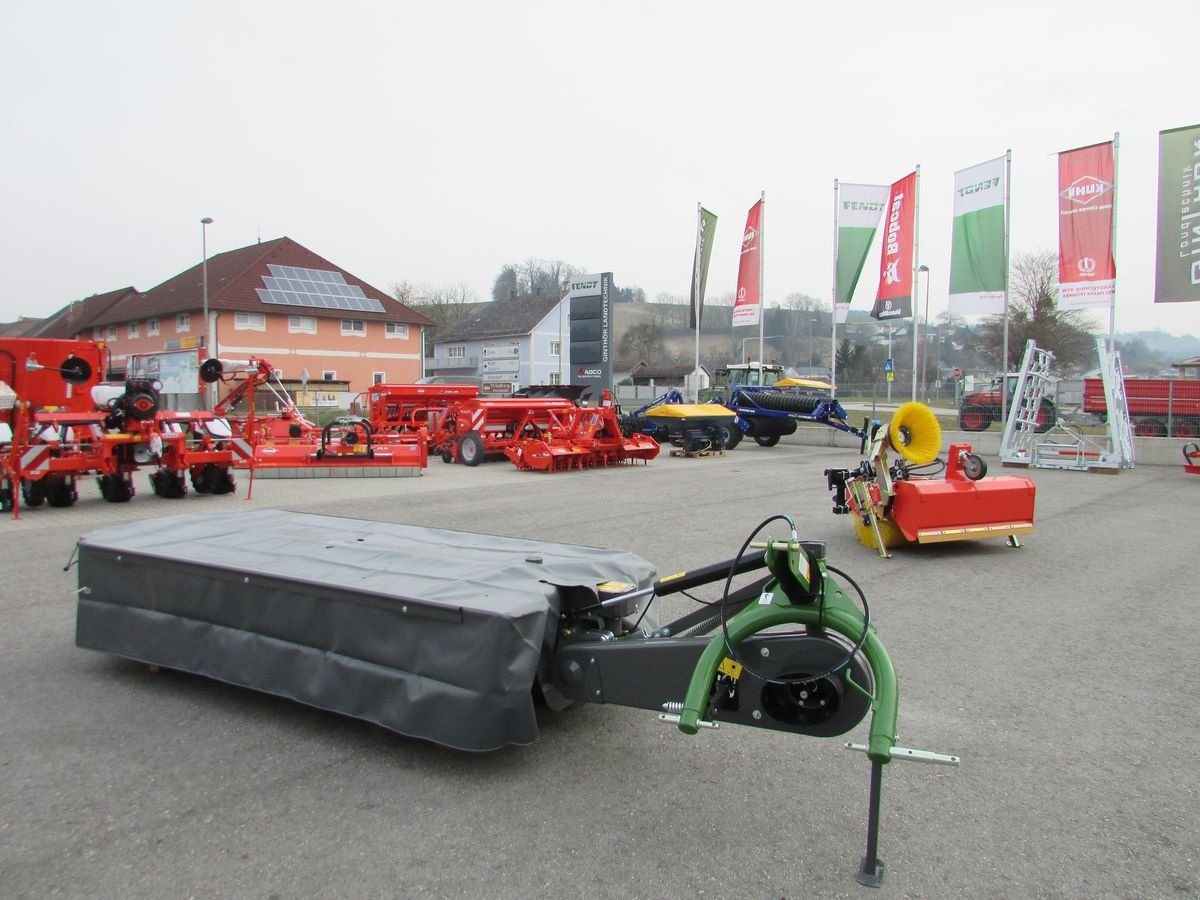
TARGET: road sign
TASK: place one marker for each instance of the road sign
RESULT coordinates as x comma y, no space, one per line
891,376
888,367
958,373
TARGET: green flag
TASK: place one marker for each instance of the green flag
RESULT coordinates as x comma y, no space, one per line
859,210
1177,274
705,230
978,265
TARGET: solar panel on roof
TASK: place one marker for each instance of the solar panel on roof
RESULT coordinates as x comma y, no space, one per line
315,288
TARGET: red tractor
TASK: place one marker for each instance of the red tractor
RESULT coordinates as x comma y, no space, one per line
979,409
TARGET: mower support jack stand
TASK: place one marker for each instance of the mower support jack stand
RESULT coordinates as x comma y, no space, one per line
870,873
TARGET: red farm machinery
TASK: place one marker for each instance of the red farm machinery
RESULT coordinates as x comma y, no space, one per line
62,422
1158,407
547,434
1191,458
410,408
903,501
288,439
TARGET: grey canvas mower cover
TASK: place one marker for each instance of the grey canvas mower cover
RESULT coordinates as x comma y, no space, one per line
449,636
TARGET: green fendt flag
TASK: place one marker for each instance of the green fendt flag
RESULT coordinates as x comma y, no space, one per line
859,210
1177,274
978,263
705,229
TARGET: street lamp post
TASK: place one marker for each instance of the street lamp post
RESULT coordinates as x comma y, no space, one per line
204,223
937,369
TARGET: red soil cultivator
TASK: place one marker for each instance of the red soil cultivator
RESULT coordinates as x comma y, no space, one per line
902,502
581,438
545,433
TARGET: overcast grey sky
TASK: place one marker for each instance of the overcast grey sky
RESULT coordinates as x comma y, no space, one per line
435,142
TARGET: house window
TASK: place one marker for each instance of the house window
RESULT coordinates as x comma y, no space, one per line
456,352
152,327
248,321
378,377
555,350
183,322
329,375
556,377
302,325
395,330
97,333
112,332
133,329
354,326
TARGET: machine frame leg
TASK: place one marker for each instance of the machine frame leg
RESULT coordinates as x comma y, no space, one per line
870,873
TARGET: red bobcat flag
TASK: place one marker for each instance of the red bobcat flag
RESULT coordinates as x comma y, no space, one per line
893,299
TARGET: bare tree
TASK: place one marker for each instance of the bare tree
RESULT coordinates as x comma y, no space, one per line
405,292
1033,312
804,318
725,299
506,284
805,303
642,341
446,306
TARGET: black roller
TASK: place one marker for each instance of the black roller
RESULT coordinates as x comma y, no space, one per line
796,403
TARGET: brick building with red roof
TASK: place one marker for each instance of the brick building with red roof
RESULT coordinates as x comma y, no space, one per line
275,300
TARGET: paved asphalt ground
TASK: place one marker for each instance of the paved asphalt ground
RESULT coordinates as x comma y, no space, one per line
1062,673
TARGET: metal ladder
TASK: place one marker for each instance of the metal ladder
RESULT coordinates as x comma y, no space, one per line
1018,446
1061,447
1120,431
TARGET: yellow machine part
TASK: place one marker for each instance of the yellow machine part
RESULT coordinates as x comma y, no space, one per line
689,411
888,530
812,384
915,434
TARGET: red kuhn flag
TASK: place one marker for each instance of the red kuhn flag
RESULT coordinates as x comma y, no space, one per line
1087,269
893,299
748,305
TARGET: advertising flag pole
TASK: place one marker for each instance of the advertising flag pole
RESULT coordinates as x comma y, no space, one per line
762,296
697,301
913,283
1112,309
1004,351
833,305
